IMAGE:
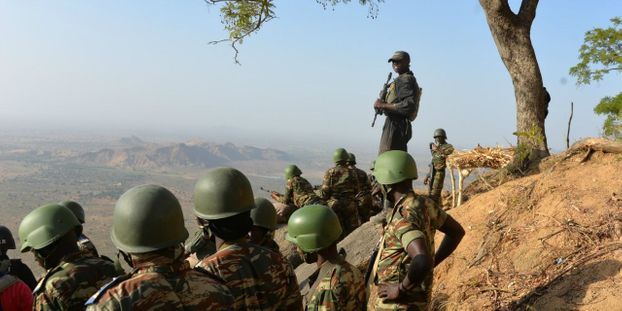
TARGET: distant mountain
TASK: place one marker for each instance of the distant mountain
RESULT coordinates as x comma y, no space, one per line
132,141
191,154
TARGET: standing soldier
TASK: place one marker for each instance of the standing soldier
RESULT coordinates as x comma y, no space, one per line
402,274
440,150
14,292
148,230
298,192
363,195
14,267
338,285
258,278
264,224
400,105
84,243
51,233
339,189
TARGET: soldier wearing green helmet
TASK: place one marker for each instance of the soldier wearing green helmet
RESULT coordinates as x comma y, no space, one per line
440,149
339,189
337,285
84,243
148,230
298,193
363,194
258,278
15,293
401,278
51,233
264,224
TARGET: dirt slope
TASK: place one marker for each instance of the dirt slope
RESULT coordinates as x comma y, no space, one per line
551,241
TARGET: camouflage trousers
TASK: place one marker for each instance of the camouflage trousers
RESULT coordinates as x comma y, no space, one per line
347,211
437,185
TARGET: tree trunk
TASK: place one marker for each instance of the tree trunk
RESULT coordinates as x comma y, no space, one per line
512,35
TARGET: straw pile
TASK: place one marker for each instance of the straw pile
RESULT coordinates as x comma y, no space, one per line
494,158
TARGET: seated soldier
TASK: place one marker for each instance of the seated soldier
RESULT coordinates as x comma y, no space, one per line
264,223
298,193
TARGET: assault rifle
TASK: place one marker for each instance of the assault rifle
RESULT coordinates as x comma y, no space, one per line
382,96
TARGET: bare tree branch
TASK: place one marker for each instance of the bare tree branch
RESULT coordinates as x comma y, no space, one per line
527,10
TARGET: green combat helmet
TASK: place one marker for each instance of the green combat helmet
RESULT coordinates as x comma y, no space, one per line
340,155
291,171
264,214
394,166
75,208
313,227
351,159
45,225
223,192
440,133
147,218
6,239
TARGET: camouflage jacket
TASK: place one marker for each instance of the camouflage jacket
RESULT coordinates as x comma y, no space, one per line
299,192
258,278
86,246
339,183
270,244
362,181
72,282
340,286
162,283
411,218
439,156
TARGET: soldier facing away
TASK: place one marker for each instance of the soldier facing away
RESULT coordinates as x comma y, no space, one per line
363,195
258,278
298,192
402,275
339,189
400,105
14,292
264,224
338,285
84,243
51,233
436,176
148,230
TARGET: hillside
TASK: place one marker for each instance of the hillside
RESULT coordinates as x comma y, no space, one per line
192,154
549,241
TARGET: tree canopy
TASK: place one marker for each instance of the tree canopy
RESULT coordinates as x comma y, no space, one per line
601,54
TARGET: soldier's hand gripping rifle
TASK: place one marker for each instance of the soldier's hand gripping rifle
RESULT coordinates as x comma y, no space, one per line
273,194
382,97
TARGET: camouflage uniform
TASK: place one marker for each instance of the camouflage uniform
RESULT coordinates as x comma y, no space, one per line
86,246
439,157
338,190
340,286
269,243
298,192
259,279
363,195
72,282
412,217
162,283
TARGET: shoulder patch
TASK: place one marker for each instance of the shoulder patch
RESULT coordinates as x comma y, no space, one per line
116,280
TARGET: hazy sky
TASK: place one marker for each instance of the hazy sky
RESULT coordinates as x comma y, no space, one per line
310,74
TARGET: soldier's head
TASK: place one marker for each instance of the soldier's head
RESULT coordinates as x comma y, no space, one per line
291,171
224,198
440,136
395,169
400,62
264,220
340,156
351,159
6,240
314,229
148,219
51,232
75,208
